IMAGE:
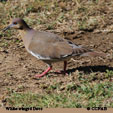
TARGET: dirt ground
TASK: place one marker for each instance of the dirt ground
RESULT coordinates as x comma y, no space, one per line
17,67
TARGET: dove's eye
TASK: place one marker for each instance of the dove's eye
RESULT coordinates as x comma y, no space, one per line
15,23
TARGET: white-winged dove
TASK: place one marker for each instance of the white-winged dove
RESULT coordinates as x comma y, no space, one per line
47,46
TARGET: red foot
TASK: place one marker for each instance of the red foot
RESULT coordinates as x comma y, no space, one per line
50,67
45,72
61,72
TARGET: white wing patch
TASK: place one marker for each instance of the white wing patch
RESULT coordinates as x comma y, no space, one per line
39,56
73,45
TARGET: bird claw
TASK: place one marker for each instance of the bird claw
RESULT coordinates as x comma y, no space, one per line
38,76
61,72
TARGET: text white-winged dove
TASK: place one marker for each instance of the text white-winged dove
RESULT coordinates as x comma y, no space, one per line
47,46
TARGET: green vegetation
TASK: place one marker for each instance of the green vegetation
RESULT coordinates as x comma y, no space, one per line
83,94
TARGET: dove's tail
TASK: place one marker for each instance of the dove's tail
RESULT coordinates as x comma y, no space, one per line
94,54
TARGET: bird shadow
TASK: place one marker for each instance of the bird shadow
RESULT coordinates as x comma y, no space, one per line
90,69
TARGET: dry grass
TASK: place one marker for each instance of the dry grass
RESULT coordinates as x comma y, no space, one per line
60,16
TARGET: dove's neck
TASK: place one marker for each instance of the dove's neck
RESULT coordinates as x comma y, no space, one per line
27,35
